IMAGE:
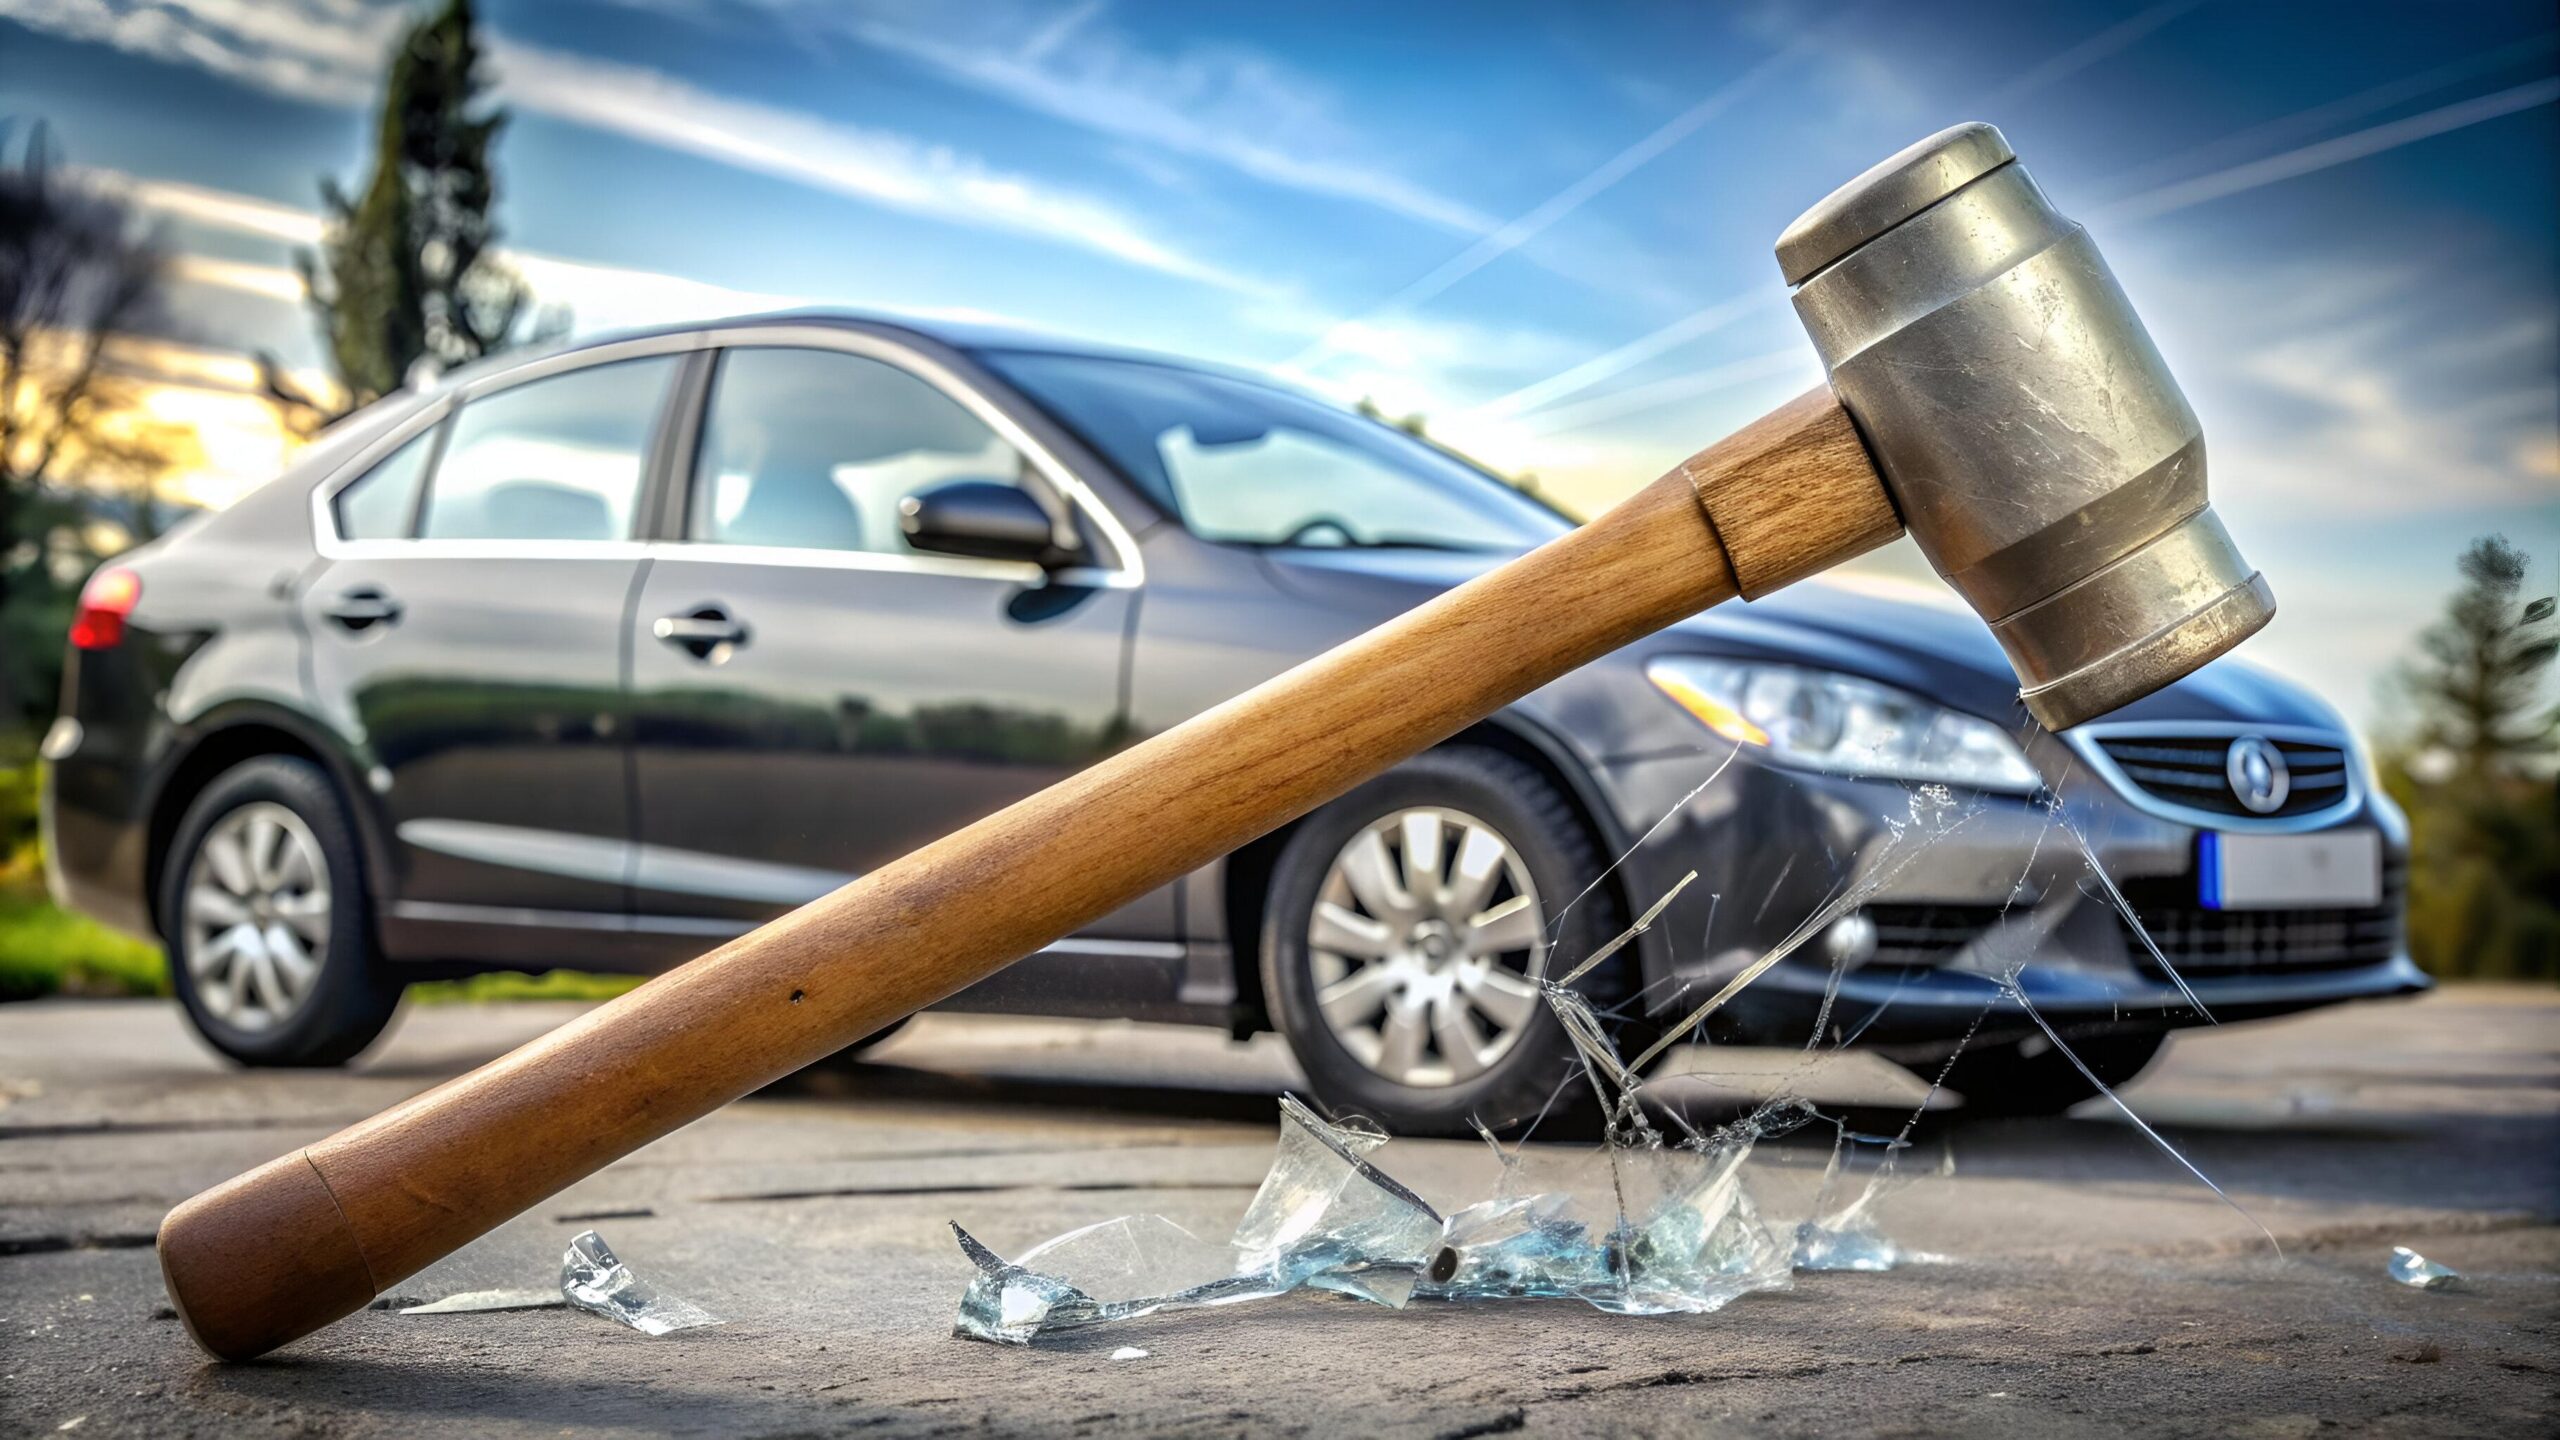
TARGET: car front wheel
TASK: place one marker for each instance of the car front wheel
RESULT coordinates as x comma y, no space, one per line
1409,928
263,909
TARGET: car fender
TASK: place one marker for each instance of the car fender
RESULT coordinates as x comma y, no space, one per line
235,727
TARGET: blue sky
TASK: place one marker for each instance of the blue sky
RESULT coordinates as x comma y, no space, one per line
1546,227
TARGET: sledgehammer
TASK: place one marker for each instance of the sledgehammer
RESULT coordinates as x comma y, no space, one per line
1991,389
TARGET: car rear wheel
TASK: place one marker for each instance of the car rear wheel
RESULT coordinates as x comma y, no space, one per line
2034,1077
263,909
1408,930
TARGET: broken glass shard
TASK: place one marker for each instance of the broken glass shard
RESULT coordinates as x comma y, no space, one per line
1131,1257
2417,1271
1689,1240
1324,1218
470,1302
1135,1266
1846,1241
1327,1217
1634,1231
595,1280
1524,1248
1009,1304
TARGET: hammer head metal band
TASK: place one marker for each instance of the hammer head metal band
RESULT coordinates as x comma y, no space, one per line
2032,439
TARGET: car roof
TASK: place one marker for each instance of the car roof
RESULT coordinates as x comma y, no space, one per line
965,333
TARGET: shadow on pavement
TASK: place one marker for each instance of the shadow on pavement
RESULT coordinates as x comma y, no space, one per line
434,1389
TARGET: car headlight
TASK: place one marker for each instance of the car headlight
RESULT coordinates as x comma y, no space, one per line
1822,720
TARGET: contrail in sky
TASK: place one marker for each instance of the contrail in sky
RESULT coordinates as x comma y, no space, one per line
2060,66
2160,201
1619,404
1528,226
2310,159
1635,352
2068,63
2302,124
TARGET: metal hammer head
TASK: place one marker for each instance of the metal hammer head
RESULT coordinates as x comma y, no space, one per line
2029,433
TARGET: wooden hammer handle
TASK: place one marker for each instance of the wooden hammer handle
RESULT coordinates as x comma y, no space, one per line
289,1247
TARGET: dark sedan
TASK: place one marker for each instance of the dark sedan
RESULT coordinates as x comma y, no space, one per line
591,659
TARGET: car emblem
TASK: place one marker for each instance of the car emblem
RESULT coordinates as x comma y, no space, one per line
2258,775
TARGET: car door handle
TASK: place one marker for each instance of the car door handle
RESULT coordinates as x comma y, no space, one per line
363,608
707,632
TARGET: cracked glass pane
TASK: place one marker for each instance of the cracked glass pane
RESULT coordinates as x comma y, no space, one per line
595,1280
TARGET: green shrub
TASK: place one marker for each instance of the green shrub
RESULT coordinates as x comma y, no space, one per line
45,950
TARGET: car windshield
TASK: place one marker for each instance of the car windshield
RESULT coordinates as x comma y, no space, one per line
1252,464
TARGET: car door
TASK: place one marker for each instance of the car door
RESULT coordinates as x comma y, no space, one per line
466,638
813,697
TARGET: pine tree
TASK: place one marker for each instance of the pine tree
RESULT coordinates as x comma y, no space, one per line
406,272
2477,779
2478,681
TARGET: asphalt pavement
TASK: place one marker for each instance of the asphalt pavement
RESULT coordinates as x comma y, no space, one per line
2080,1282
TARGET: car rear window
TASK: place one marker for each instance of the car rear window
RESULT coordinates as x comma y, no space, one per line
552,459
379,504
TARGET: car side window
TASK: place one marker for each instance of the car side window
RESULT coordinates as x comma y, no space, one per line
815,448
552,459
379,504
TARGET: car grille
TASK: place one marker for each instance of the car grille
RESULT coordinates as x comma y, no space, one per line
2190,771
2200,943
1920,935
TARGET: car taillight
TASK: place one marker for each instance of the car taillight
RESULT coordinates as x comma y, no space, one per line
105,601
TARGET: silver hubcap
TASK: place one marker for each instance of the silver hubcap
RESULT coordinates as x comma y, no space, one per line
257,916
1428,941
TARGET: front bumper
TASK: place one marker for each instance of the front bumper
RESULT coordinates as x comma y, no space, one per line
1964,890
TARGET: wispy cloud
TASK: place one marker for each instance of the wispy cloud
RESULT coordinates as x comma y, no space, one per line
1231,106
2387,384
598,296
873,165
216,209
331,50
325,51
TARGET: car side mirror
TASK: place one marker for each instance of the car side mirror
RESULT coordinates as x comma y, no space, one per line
981,519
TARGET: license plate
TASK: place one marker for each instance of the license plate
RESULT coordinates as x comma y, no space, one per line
2335,869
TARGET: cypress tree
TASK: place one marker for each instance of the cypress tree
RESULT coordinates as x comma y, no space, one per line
406,271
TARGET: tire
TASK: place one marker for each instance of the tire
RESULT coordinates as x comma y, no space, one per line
237,906
2032,1077
1347,1058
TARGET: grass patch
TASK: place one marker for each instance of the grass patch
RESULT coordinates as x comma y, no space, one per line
46,950
549,985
